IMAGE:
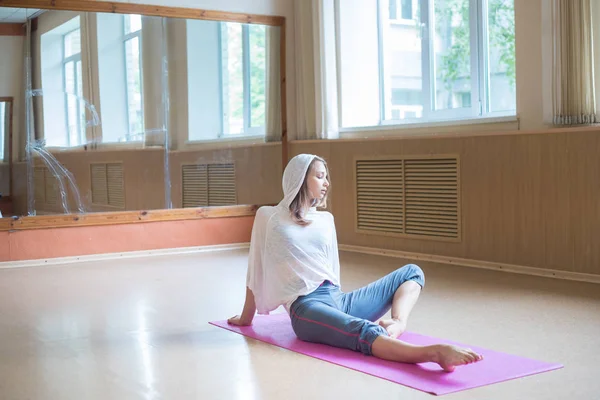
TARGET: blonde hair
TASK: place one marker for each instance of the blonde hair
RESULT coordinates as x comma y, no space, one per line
302,201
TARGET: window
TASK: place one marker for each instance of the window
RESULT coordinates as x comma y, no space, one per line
456,61
133,71
120,76
62,83
73,88
243,56
226,61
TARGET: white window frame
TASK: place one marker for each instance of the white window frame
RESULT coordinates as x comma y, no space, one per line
249,130
479,68
127,37
75,58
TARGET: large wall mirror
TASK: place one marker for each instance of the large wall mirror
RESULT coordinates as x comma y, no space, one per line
128,111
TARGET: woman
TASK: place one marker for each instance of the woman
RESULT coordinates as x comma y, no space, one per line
294,262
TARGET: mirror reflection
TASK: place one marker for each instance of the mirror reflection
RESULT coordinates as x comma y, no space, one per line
132,112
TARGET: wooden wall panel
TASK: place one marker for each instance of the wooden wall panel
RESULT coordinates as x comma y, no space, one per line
142,170
584,190
555,203
527,199
258,171
258,176
4,179
19,195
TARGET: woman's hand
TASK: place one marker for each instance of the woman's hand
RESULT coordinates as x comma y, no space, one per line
237,320
247,313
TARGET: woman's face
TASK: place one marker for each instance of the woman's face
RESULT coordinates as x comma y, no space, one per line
317,181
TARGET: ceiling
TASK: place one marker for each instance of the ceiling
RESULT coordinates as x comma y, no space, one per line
12,15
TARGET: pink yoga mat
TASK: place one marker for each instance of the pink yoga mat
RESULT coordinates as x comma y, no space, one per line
496,367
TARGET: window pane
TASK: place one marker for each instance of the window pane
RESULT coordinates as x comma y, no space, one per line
134,88
407,9
80,105
72,119
71,96
501,53
133,23
403,80
451,53
257,74
393,9
233,77
70,77
360,61
72,43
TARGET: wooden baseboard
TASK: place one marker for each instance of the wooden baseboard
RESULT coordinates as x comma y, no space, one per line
128,254
54,220
516,269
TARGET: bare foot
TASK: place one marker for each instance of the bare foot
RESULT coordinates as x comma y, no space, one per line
449,356
394,327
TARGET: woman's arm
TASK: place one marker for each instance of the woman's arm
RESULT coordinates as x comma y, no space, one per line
247,313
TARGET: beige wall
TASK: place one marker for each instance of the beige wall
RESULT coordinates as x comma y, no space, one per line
529,67
11,66
527,199
11,85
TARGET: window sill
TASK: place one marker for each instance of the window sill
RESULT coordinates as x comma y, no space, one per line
402,21
117,146
231,138
446,128
228,142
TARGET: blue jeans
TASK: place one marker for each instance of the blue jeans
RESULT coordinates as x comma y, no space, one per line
329,316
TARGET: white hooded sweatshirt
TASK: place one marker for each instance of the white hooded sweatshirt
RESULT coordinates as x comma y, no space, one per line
288,260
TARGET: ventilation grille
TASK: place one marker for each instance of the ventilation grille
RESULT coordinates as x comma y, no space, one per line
108,184
195,185
380,192
409,197
207,185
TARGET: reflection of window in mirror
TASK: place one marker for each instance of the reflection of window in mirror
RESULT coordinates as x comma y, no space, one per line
62,82
243,78
120,76
132,40
227,63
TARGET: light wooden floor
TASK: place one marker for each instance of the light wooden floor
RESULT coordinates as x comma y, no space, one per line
137,329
